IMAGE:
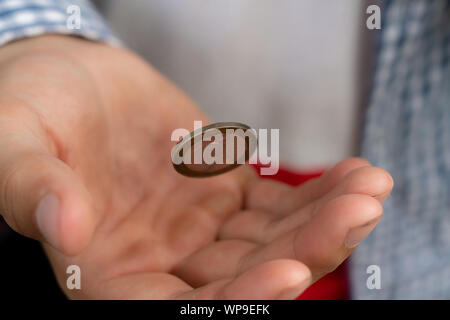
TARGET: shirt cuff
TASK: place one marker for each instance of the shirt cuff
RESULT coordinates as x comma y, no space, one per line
28,18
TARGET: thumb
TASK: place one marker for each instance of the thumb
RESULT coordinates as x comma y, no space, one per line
41,197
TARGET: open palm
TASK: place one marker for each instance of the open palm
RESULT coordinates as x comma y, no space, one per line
85,168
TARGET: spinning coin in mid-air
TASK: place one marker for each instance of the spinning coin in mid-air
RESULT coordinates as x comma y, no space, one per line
214,149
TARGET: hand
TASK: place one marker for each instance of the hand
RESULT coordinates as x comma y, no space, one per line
85,169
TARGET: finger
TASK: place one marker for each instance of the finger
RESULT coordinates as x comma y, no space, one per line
280,279
258,226
135,286
327,239
322,243
40,196
267,199
373,181
218,260
315,188
277,279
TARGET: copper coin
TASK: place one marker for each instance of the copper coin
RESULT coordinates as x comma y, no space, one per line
214,149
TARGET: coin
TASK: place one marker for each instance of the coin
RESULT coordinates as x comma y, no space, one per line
214,149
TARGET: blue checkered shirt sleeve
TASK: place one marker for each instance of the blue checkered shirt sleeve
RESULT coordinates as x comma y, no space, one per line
407,132
28,18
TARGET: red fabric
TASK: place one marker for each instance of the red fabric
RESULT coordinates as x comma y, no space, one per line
333,286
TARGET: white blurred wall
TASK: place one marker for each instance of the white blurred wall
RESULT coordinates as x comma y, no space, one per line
287,64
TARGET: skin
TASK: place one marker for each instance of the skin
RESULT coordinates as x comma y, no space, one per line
91,125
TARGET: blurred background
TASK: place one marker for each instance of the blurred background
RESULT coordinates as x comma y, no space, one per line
289,64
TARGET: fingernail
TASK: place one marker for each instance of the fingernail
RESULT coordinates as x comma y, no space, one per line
356,235
47,218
